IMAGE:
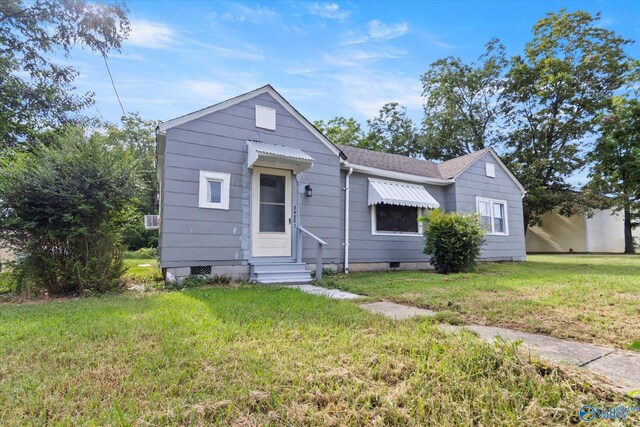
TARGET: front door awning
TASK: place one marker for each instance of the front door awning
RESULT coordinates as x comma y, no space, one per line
279,156
400,193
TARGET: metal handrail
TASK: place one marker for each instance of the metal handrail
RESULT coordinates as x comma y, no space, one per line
321,242
304,230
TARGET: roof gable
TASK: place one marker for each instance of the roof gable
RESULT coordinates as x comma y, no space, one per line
455,167
163,127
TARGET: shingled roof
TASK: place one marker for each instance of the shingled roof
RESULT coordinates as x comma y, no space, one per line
390,162
408,165
453,167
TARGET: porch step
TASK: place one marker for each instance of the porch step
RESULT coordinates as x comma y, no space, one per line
279,272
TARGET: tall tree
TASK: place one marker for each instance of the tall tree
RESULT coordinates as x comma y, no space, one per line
566,78
392,131
616,163
463,103
137,136
341,130
38,94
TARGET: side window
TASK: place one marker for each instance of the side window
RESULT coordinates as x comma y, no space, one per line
484,209
493,215
214,190
395,219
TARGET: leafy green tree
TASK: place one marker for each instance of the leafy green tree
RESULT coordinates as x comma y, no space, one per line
36,93
136,136
60,211
392,131
341,130
542,113
463,104
616,163
556,92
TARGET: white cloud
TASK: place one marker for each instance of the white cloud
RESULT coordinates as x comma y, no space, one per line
209,91
328,10
246,52
127,56
356,58
151,35
243,13
377,31
438,42
383,32
366,91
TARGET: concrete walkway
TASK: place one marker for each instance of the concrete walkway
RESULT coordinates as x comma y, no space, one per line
620,367
331,293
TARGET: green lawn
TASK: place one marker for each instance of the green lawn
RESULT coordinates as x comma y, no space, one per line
586,298
142,271
262,355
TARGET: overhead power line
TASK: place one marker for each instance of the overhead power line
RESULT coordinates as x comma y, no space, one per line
113,84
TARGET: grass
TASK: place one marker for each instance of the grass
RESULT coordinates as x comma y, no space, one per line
143,271
262,355
586,298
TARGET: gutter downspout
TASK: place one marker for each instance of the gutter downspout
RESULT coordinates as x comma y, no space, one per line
346,221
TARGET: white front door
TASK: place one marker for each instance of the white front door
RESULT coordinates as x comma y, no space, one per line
271,212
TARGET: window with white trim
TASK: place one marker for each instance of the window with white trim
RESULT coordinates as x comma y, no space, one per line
493,215
395,219
214,190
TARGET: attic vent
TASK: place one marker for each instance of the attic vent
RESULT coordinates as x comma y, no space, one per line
490,170
151,222
265,117
201,270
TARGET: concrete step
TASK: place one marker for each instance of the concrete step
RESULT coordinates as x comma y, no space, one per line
278,266
280,272
284,279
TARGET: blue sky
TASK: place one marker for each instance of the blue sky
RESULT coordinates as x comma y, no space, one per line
327,58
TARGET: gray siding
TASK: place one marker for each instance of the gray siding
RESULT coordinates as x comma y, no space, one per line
474,183
367,247
217,142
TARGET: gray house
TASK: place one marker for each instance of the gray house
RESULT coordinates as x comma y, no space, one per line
250,188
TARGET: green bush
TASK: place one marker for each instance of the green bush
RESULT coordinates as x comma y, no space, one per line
453,240
60,212
196,281
142,253
135,236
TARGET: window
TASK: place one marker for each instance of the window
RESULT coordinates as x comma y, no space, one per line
493,215
214,190
272,203
395,219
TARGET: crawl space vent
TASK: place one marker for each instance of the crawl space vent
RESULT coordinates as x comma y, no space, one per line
201,270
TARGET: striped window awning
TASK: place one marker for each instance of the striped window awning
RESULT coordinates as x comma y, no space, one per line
273,155
400,193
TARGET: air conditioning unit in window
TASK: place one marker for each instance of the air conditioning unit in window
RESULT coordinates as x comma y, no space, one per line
151,222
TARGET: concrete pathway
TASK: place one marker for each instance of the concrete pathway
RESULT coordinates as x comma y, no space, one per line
396,311
331,293
620,367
